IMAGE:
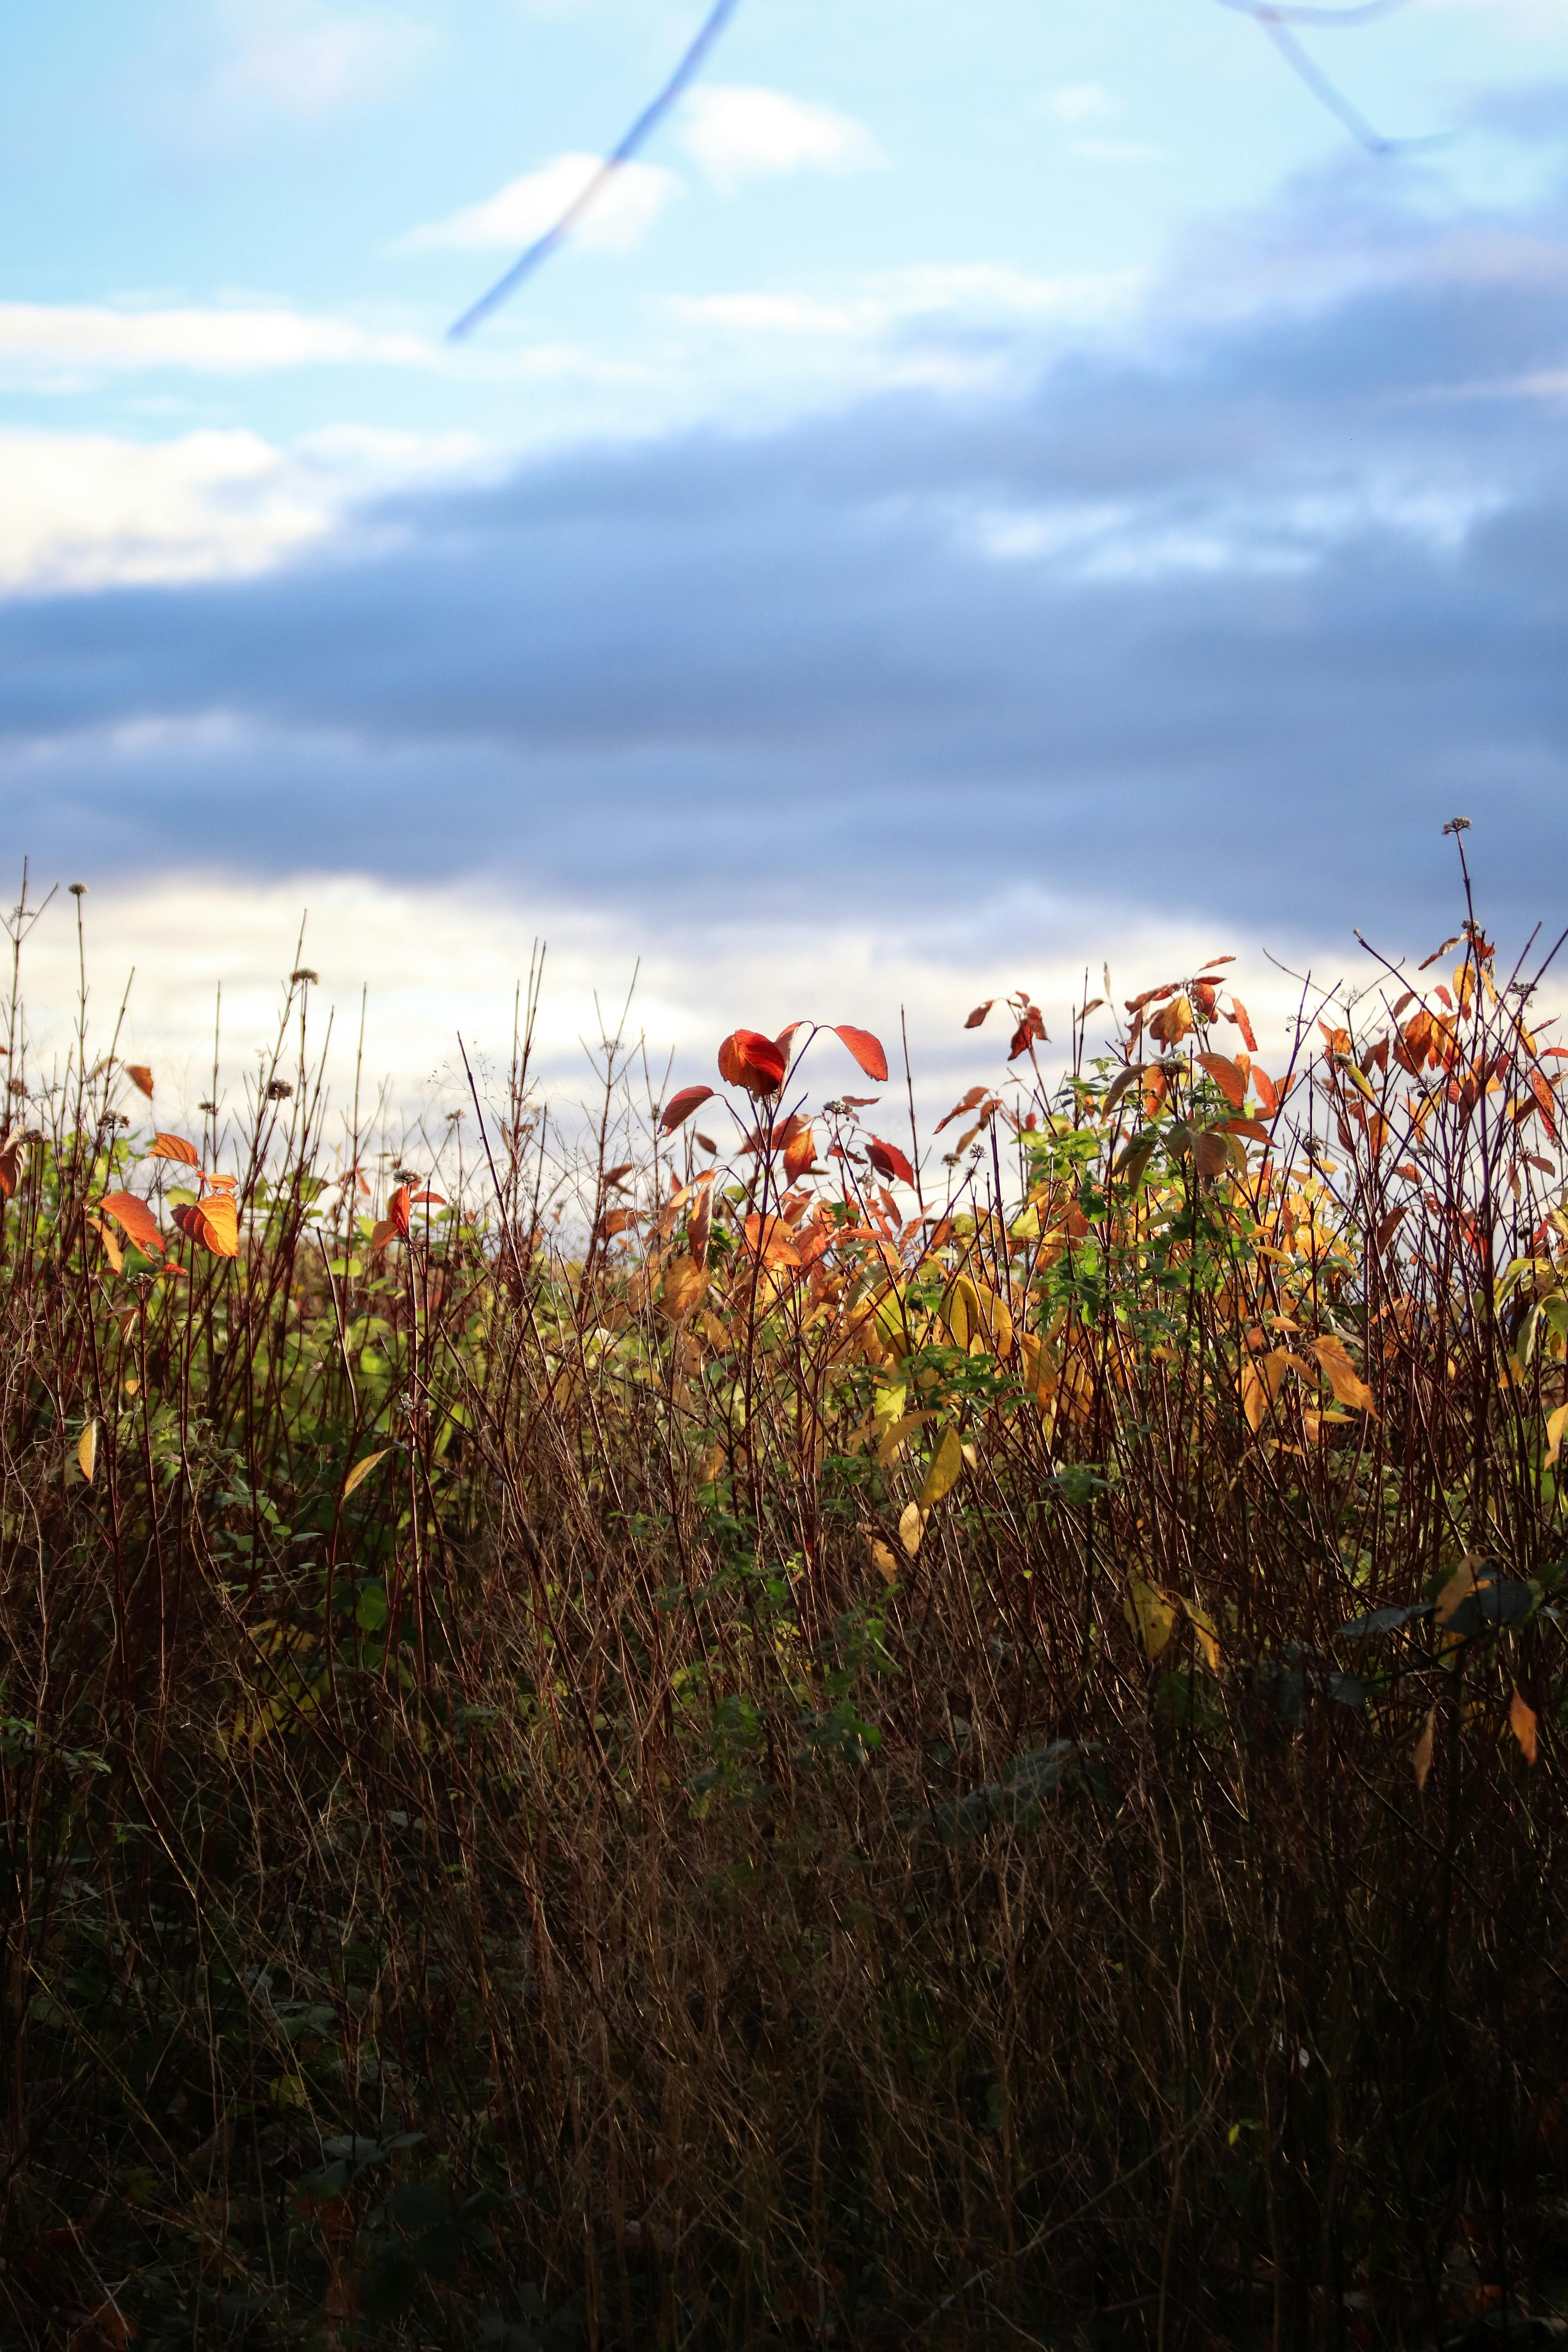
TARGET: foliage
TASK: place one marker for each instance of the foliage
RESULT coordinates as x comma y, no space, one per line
812,1743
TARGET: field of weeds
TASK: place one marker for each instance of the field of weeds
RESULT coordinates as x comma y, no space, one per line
788,1734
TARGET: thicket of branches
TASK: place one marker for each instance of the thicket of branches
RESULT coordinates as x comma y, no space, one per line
835,1760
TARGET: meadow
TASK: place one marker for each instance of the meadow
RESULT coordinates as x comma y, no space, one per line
730,1725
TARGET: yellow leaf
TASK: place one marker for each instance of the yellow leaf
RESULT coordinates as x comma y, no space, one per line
1151,1617
86,1451
361,1471
947,1463
1421,1755
1346,1384
911,1527
1521,1723
1203,1625
898,1435
882,1560
1556,1423
290,2091
112,1249
684,1284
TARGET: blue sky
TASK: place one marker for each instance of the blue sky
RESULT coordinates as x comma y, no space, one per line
1002,483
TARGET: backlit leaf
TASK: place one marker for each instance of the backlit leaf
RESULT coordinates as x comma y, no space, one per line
800,1154
1556,1423
86,1451
397,1214
140,1077
947,1463
1226,1077
1238,1014
911,1527
680,1107
867,1050
175,1147
135,1221
1521,1722
978,1016
684,1283
747,1058
975,1095
219,1225
361,1470
889,1161
1212,1152
1347,1386
112,1249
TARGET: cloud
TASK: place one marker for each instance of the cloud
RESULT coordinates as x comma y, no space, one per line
1222,618
1081,102
618,220
289,57
737,132
51,342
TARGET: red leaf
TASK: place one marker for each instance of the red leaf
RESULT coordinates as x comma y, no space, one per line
859,1102
1542,1094
397,1211
866,1049
800,1152
1238,1014
975,1094
1267,1091
135,1221
978,1016
747,1058
889,1161
679,1107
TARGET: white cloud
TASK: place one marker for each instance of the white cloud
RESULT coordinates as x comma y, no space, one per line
737,132
82,510
54,341
523,210
306,61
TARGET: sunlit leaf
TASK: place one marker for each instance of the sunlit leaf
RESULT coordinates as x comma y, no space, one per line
141,1077
685,1282
397,1215
86,1451
911,1527
747,1058
800,1154
175,1147
1238,1014
112,1249
1458,1587
946,1465
1204,1630
1347,1386
680,1107
975,1095
135,1221
361,1471
889,1161
867,1050
219,1225
1556,1423
1228,1077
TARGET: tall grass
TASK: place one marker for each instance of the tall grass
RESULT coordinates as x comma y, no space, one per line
701,1747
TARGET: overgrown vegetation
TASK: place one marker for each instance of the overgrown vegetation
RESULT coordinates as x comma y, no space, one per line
725,1748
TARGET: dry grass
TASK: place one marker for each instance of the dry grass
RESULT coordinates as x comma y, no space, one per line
818,1791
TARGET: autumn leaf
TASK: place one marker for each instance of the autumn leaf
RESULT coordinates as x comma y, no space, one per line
1521,1723
1253,1128
684,1283
1172,1022
911,1527
1212,1152
1238,1014
1151,1617
867,1050
361,1471
1556,1423
397,1215
679,1107
747,1058
800,1154
135,1221
1459,1586
112,1249
1421,1755
1203,1630
975,1095
1347,1386
882,1560
86,1451
219,1225
175,1147
1031,1026
889,1161
978,1016
1226,1077
697,1223
141,1077
946,1464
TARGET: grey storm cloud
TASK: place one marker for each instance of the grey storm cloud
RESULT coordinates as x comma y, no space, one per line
1239,614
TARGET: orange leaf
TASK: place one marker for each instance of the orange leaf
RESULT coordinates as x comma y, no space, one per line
1172,1022
866,1049
1238,1014
1521,1723
142,1077
800,1154
747,1058
385,1232
219,1225
1253,1128
175,1147
221,1183
978,1016
1226,1077
680,1107
135,1221
889,1161
1346,1384
112,1249
397,1211
975,1094
11,1164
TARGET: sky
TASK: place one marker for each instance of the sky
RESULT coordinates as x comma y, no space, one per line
993,490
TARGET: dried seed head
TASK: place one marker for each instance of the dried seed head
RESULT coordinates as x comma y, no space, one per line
77,889
279,1090
1458,824
305,974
